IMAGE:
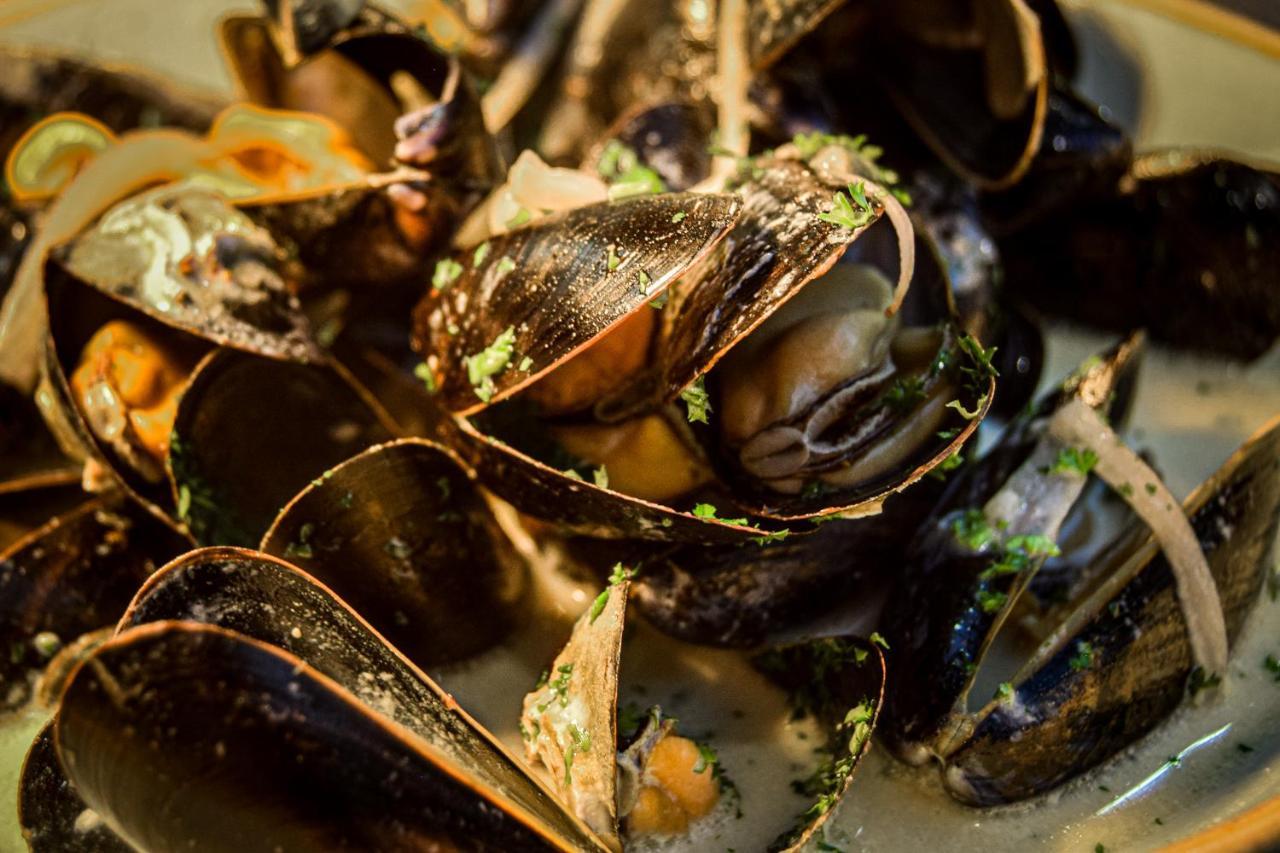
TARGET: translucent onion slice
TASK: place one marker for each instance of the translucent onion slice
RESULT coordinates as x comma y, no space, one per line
1076,424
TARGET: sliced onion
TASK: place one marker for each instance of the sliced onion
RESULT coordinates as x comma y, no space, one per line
1076,424
906,234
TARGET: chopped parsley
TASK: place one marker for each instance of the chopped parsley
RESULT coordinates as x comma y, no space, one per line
1019,554
772,537
876,640
1198,681
980,371
617,576
525,364
965,413
489,362
1074,460
644,281
627,176
904,394
505,265
580,742
600,476
990,601
302,546
447,272
809,144
820,661
1083,658
558,687
613,259
708,511
849,209
972,530
951,463
697,401
481,254
1004,691
706,758
678,217
423,372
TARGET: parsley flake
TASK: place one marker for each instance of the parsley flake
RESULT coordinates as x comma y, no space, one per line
489,362
447,272
697,401
844,213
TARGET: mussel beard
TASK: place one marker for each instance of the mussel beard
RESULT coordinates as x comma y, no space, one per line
831,391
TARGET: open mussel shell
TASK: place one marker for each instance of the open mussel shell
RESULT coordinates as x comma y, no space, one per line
586,780
288,710
1063,718
250,433
74,575
670,137
50,811
561,295
76,313
938,633
384,47
1185,244
841,681
216,279
326,84
574,505
777,246
1082,156
403,535
756,268
351,235
979,109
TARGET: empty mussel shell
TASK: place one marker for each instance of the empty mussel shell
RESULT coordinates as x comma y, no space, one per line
187,258
839,680
75,574
979,107
250,433
289,708
933,618
1067,715
403,535
53,817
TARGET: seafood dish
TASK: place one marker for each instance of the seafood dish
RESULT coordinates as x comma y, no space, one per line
702,356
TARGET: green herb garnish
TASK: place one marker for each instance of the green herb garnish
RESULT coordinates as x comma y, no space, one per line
697,401
1083,658
489,362
849,210
447,272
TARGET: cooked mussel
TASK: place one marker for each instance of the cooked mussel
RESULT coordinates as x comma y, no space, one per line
1118,656
614,406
